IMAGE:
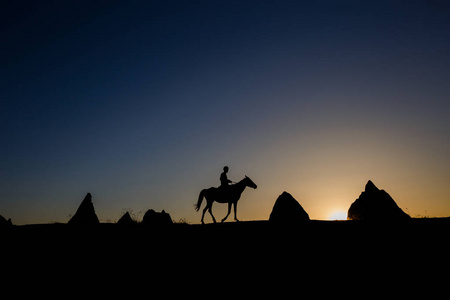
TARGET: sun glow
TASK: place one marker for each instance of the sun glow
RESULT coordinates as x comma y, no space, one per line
338,215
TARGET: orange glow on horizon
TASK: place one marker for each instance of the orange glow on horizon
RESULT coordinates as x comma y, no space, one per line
338,215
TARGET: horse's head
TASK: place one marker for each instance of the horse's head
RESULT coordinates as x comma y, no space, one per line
249,182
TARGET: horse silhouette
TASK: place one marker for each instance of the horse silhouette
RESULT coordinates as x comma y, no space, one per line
230,195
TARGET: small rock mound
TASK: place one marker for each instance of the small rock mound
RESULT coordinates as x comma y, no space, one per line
5,223
126,220
154,218
85,214
374,204
287,210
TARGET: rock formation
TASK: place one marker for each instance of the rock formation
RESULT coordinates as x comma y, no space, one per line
154,218
85,214
287,210
5,223
375,204
126,220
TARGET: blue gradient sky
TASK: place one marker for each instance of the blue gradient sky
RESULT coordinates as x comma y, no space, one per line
141,103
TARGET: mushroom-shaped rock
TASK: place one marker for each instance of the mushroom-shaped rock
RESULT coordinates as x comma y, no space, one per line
154,218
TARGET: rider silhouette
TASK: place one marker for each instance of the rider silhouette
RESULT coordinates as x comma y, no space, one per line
224,181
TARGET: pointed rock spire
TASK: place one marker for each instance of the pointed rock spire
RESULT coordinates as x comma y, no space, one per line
85,214
370,187
126,220
375,204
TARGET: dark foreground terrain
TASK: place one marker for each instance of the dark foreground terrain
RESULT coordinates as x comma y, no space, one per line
190,257
257,237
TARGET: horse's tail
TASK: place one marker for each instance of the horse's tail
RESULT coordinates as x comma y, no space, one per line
200,199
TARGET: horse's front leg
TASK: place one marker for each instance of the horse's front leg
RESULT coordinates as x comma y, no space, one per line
229,210
235,211
210,211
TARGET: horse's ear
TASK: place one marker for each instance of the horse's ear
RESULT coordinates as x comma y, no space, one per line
246,176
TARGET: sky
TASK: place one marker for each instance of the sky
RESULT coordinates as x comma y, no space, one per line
142,103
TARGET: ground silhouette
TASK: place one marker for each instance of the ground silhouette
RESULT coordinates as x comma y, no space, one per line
315,253
187,256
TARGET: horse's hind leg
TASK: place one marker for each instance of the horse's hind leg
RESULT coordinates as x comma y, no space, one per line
203,214
209,206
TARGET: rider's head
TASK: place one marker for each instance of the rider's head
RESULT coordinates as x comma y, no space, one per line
225,169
